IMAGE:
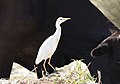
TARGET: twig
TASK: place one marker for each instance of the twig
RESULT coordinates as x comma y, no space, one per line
99,77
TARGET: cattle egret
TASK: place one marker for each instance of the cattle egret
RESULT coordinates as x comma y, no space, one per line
50,44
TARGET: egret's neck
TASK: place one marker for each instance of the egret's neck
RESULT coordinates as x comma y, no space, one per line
58,30
57,25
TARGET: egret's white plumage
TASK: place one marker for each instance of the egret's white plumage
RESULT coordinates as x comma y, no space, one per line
49,46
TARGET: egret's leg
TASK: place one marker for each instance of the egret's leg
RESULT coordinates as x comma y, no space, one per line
45,67
50,64
43,75
35,68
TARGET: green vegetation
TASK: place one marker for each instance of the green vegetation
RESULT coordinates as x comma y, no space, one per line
75,73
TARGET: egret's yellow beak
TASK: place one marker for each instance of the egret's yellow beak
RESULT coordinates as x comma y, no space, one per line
67,18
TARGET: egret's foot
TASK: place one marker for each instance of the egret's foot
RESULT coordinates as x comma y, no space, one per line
46,73
43,73
55,71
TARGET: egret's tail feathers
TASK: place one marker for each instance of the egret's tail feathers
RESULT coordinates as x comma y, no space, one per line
37,61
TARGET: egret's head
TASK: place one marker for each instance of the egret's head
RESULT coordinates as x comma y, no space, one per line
61,20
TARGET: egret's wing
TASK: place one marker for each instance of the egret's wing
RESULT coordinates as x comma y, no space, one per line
46,50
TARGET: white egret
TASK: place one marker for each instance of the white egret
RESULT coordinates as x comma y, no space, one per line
49,46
